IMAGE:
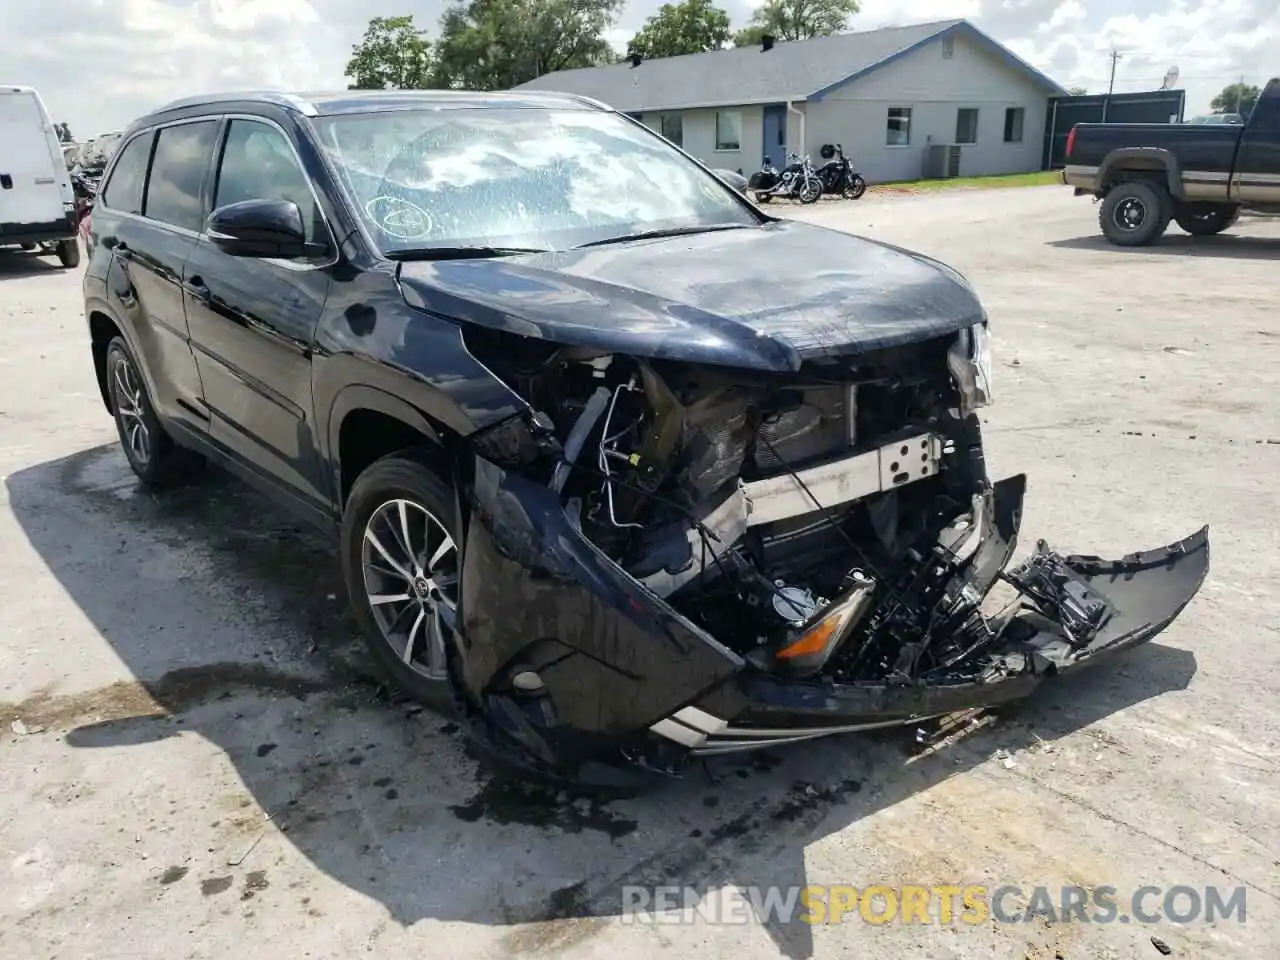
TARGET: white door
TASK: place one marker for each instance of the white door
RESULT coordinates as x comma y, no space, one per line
31,178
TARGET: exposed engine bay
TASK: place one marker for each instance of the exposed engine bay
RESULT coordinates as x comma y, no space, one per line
825,523
668,560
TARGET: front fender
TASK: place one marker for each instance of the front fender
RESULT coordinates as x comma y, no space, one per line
536,595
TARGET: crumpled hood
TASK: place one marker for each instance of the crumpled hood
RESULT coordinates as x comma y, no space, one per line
766,298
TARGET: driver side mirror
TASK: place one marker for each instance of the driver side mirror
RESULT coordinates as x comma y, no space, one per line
264,229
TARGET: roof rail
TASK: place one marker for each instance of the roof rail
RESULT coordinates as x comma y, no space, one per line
289,100
581,98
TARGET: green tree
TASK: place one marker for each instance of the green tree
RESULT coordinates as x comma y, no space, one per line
1236,98
1077,91
497,44
796,20
692,26
394,54
64,133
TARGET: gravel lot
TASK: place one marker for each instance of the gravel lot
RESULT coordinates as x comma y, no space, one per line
206,770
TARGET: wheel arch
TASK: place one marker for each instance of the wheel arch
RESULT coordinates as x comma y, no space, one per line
1141,163
365,424
103,328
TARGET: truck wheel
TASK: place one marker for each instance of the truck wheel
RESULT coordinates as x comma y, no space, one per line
69,253
1135,214
1206,220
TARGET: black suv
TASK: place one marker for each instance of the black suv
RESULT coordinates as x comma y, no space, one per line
623,470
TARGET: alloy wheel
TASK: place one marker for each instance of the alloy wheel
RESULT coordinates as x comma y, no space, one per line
131,409
410,566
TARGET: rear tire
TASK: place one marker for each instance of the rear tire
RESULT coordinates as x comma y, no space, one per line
1206,220
398,601
763,198
69,253
1135,213
151,452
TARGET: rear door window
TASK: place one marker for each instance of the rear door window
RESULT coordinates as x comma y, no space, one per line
125,188
182,158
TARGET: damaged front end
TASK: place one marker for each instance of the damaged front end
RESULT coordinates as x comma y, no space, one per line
665,560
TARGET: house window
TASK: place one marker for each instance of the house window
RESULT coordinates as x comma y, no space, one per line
671,126
1013,118
967,125
948,47
898,127
728,130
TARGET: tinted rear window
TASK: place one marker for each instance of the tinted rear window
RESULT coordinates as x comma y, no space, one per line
182,158
124,190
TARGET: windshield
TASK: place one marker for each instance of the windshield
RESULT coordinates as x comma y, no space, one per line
518,177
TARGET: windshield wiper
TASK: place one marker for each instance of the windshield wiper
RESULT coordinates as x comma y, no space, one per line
669,232
460,253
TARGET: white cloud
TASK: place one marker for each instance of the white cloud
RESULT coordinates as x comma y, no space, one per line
99,64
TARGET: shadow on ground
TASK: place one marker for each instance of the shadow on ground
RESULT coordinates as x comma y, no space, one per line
16,263
1226,245
233,622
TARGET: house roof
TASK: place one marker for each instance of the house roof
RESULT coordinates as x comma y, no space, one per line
794,70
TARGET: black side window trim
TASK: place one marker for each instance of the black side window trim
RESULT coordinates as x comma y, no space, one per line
110,174
202,194
328,234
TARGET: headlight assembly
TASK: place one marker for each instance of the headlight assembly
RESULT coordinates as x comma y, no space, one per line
969,360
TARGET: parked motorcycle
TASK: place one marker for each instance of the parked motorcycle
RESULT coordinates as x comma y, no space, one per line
796,181
837,174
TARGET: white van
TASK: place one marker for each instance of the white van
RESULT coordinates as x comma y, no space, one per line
37,206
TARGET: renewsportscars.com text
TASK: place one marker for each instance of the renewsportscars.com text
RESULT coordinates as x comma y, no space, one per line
929,904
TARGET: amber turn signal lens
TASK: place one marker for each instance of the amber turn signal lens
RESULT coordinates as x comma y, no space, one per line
812,641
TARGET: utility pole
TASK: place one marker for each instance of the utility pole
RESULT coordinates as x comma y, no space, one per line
1115,57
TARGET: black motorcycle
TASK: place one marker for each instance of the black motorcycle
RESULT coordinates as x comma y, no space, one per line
797,180
837,174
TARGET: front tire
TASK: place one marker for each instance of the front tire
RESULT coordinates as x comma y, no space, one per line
1206,220
69,253
810,191
1135,213
400,563
855,188
151,452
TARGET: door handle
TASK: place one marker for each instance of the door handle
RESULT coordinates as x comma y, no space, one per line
195,286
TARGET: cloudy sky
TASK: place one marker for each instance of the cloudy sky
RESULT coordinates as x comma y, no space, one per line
100,63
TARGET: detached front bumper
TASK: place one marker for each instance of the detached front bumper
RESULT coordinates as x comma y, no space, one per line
1144,591
572,665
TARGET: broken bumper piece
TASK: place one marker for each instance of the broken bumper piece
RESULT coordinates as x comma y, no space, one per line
615,683
1102,607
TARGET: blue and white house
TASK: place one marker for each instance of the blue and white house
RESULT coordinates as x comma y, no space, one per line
906,102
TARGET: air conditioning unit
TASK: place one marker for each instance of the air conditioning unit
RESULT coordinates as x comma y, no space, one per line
942,161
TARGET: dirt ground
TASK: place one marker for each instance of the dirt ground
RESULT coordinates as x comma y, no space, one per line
200,766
